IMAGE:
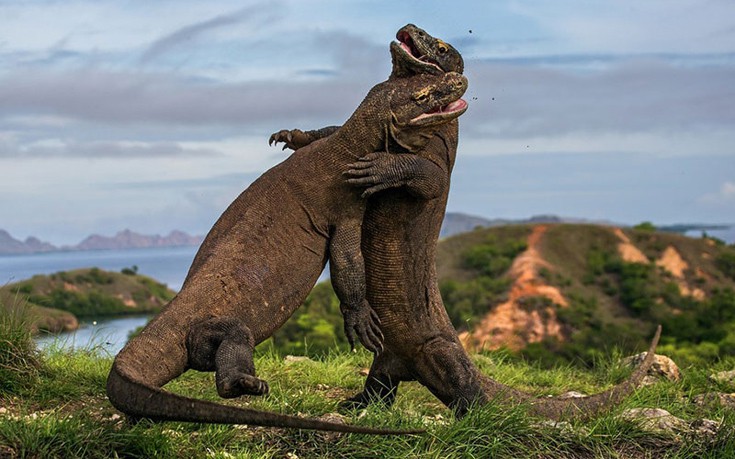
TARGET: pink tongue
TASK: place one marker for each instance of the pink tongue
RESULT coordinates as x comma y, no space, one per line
406,48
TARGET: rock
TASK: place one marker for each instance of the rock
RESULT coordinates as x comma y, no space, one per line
705,428
335,418
726,377
436,419
571,394
3,410
7,452
364,371
662,368
712,398
656,420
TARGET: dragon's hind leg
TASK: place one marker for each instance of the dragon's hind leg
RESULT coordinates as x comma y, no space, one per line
381,385
225,345
446,370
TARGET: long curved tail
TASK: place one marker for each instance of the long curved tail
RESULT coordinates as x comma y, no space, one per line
574,408
138,399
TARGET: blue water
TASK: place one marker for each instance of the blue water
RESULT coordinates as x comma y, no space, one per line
727,235
107,335
104,336
165,264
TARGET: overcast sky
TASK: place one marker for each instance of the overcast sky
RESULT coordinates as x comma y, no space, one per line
155,115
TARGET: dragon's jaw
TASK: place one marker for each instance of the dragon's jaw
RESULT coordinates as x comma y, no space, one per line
407,45
440,114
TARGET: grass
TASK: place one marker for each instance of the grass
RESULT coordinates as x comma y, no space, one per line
54,405
19,360
64,413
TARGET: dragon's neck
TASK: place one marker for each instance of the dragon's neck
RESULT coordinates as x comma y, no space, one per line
366,130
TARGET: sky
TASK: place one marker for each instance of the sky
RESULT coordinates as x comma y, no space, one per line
154,116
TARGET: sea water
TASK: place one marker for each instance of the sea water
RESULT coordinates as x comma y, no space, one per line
168,265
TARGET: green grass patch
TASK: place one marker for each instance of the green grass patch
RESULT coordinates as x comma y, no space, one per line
19,359
65,414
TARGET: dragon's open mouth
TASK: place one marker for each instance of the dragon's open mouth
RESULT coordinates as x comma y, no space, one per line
439,114
407,44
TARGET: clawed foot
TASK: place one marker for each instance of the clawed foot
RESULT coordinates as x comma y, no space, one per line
365,323
376,172
242,385
293,139
358,402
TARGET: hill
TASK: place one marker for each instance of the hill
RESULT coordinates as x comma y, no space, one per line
125,239
565,291
57,300
11,246
562,289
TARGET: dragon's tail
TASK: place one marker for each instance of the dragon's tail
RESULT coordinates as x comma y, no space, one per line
140,400
575,408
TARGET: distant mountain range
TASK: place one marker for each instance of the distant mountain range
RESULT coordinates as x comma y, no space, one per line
125,239
454,223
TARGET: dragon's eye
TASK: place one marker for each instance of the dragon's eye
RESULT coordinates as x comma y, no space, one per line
442,47
421,96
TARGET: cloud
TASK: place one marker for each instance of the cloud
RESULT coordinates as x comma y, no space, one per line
629,96
258,14
725,195
99,149
124,97
630,26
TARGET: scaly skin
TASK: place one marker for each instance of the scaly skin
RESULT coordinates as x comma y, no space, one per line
263,255
400,232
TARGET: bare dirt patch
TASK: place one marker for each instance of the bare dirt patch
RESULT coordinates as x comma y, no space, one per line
672,262
627,250
513,324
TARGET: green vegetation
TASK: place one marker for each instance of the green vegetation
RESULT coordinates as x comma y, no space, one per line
56,300
487,262
64,413
726,262
613,305
645,226
315,329
19,360
695,328
54,403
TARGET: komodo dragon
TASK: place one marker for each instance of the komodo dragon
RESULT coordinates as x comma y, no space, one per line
263,255
400,233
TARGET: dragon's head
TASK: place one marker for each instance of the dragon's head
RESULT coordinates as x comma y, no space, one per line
415,51
420,104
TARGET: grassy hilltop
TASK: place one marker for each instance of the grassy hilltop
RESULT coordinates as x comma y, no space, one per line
57,300
565,293
576,291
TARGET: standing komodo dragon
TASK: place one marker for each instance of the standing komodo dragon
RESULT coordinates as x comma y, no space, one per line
263,255
400,232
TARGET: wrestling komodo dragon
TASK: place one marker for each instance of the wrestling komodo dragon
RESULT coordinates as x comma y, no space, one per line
264,254
400,232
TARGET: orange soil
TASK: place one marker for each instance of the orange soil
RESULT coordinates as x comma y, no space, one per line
509,324
674,264
629,252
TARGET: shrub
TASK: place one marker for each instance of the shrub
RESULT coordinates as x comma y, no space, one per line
645,226
19,359
726,263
